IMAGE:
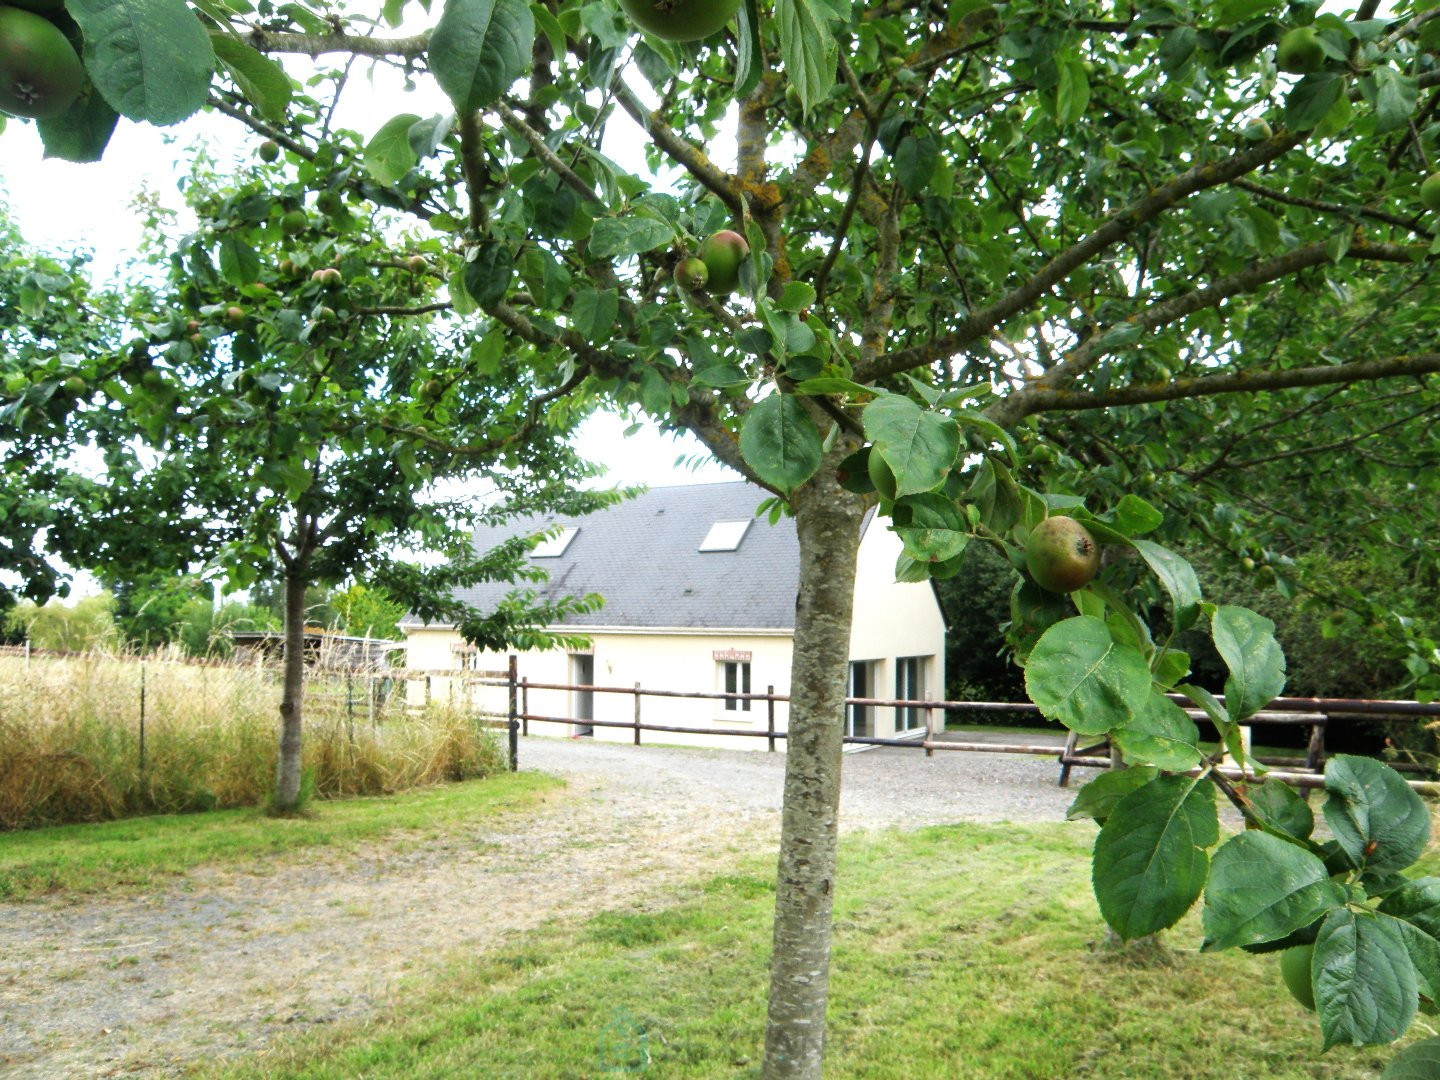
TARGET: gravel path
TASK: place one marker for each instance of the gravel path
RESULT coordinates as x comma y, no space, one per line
229,960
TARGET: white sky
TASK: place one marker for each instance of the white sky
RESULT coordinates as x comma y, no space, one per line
62,206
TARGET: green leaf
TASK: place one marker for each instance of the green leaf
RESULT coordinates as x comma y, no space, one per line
780,442
1418,1061
1134,516
1150,859
915,160
594,313
1078,675
919,446
550,27
1311,99
1263,888
479,47
1394,97
1281,807
488,272
796,296
1178,578
1416,902
1424,953
748,63
1099,797
81,132
989,429
150,59
1379,820
621,237
1246,642
262,81
1365,986
721,376
389,155
1072,92
808,50
1162,734
239,262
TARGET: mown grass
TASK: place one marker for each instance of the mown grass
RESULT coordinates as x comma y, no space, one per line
961,953
140,853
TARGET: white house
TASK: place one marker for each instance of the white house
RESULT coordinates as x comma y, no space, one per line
699,596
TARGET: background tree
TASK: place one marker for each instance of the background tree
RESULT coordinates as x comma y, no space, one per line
961,220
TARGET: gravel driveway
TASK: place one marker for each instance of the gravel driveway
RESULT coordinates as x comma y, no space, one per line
228,960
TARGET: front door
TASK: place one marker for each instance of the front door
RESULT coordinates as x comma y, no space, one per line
582,702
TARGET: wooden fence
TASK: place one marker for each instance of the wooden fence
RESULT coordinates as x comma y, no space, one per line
1303,771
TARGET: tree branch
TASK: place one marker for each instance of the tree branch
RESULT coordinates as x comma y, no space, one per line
689,157
1040,400
1120,225
274,41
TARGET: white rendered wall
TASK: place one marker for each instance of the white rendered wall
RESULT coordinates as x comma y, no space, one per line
894,619
678,660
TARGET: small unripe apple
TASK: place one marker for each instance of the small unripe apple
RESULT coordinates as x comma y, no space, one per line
74,386
1061,555
723,252
269,150
691,274
234,315
1295,970
294,222
1430,192
329,202
1257,130
1300,51
417,264
192,327
328,276
289,267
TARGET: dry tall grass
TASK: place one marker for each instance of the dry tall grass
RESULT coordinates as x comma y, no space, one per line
70,739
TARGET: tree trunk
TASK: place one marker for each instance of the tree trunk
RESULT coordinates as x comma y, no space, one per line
827,521
287,772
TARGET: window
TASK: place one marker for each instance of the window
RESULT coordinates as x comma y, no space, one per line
735,679
909,686
862,685
724,536
552,547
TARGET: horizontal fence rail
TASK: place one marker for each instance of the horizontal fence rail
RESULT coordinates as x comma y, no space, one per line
1302,770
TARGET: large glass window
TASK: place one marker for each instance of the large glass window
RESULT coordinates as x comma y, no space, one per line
909,686
859,719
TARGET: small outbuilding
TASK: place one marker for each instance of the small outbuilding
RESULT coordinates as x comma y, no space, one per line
699,596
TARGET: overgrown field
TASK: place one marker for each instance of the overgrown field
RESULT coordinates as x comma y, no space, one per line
961,953
70,740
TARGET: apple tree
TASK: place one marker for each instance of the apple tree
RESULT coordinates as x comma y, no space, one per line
966,228
291,402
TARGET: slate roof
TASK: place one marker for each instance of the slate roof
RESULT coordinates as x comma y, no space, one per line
643,556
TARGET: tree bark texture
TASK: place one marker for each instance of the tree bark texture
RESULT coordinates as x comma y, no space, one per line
287,771
827,521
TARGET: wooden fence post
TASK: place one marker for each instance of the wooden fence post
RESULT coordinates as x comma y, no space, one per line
770,716
514,711
637,714
142,710
525,705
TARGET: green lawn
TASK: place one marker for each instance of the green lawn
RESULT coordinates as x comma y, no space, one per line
137,852
961,953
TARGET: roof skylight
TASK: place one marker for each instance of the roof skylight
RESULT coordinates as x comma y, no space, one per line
724,536
554,546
